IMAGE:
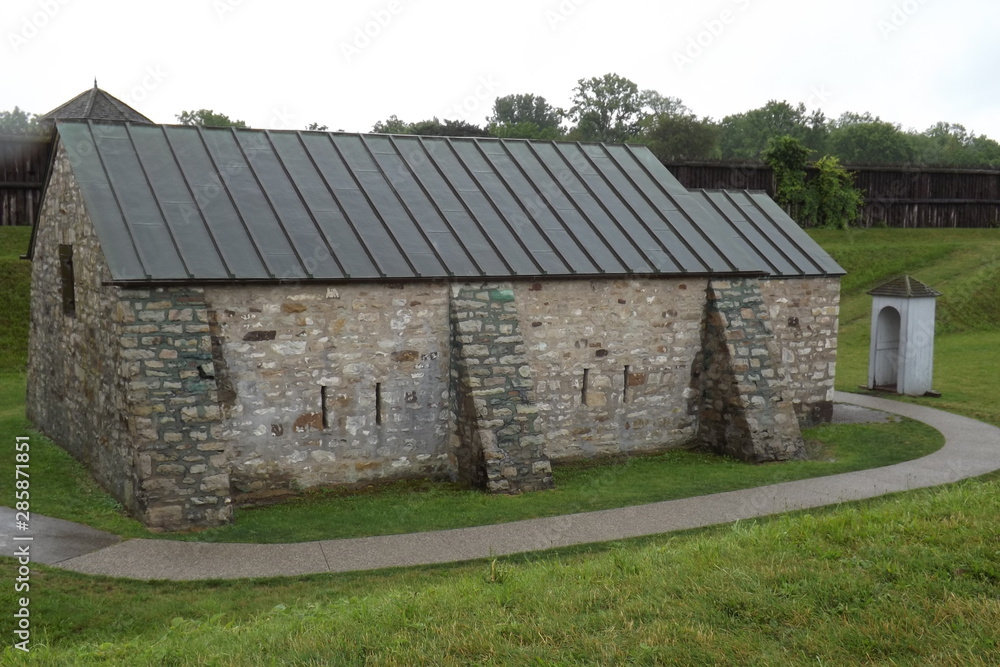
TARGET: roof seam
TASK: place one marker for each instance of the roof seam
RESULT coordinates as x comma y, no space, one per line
583,216
159,207
787,237
371,205
305,206
496,209
224,187
687,216
735,228
437,209
614,220
118,203
406,209
465,206
635,214
270,203
194,199
340,207
539,195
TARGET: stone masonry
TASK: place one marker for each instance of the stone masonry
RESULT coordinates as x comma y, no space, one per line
176,424
803,315
744,410
612,362
325,385
498,442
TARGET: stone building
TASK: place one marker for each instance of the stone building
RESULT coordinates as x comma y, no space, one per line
221,316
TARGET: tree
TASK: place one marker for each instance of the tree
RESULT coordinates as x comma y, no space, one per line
606,108
525,130
432,127
951,144
787,157
826,199
18,122
745,135
681,137
449,128
864,139
512,110
654,105
831,198
208,118
392,125
316,127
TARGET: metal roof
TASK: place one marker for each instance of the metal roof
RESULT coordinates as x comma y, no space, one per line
771,234
180,203
906,287
96,104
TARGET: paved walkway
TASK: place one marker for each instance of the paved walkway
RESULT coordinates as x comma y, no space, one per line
972,449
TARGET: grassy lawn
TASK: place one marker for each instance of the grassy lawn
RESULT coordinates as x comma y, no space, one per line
909,579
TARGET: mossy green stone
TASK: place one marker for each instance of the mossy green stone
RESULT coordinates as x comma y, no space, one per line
501,295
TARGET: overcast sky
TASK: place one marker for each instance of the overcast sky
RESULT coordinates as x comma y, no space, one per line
350,64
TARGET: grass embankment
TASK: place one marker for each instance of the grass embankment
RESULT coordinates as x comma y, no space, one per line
963,264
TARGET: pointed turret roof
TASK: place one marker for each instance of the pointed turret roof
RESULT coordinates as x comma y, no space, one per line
96,104
907,287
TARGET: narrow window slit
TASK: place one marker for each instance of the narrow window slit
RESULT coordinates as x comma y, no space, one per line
583,389
378,402
68,280
322,402
625,387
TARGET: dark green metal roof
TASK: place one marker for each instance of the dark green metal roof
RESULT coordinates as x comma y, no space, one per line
179,203
756,220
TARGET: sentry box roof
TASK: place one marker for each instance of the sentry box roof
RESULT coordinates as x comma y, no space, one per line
198,204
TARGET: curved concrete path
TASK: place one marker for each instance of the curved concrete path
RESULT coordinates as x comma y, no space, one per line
972,448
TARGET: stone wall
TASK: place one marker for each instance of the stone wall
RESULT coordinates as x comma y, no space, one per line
331,385
804,315
77,394
635,342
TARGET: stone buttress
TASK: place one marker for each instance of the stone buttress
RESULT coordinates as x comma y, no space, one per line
498,445
744,410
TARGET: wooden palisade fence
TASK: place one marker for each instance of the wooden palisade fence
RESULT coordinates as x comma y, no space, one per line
894,196
23,163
